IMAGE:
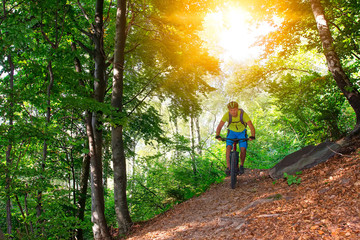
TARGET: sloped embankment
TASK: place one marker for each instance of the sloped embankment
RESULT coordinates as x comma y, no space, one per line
325,205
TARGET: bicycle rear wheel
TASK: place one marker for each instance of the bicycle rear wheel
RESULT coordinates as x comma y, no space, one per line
233,168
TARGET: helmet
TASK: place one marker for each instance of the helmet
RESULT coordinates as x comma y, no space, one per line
232,105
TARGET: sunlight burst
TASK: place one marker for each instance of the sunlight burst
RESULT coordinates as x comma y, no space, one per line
231,33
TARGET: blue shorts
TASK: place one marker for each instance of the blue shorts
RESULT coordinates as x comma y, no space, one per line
233,135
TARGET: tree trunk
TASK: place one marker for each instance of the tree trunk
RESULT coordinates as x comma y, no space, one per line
39,209
199,148
119,162
100,229
8,151
85,168
350,91
27,209
106,165
177,152
2,235
83,190
192,139
133,148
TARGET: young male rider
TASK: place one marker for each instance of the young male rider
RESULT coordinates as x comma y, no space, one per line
236,129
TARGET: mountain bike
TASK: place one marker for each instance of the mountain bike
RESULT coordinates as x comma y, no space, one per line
234,160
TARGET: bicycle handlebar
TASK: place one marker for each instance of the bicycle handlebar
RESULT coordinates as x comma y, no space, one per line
235,139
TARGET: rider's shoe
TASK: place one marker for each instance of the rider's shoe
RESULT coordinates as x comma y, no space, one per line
227,172
241,170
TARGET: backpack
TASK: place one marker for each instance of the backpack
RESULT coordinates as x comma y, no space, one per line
241,118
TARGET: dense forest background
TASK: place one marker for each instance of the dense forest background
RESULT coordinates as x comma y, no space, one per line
109,108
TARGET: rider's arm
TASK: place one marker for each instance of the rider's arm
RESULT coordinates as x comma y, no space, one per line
252,128
219,127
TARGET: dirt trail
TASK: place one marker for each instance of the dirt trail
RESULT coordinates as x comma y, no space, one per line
325,205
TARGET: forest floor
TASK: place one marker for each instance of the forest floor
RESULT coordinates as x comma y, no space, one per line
325,205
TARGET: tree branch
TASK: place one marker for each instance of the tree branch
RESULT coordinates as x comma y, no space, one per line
22,213
355,46
291,69
63,26
154,194
88,34
84,13
108,12
2,18
355,55
139,103
88,50
111,60
143,89
45,36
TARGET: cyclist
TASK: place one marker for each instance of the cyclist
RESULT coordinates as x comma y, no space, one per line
238,120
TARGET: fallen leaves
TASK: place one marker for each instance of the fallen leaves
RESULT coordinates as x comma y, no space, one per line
325,205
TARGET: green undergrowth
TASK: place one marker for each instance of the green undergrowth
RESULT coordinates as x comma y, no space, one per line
158,183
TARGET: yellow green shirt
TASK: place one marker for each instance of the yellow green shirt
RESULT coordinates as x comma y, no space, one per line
236,125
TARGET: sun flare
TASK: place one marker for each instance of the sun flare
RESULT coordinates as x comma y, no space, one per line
230,34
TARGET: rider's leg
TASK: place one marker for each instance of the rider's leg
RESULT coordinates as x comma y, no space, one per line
243,146
242,155
228,150
229,143
242,159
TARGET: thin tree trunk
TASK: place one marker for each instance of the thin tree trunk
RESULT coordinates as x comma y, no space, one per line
27,210
2,235
39,209
350,91
176,126
198,133
83,190
73,179
100,229
106,166
22,214
7,190
85,168
192,139
119,161
177,152
8,151
133,148
133,170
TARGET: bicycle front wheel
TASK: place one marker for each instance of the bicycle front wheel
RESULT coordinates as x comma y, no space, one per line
233,169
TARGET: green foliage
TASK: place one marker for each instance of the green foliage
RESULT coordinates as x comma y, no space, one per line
292,179
165,65
160,181
311,105
294,73
303,103
55,200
